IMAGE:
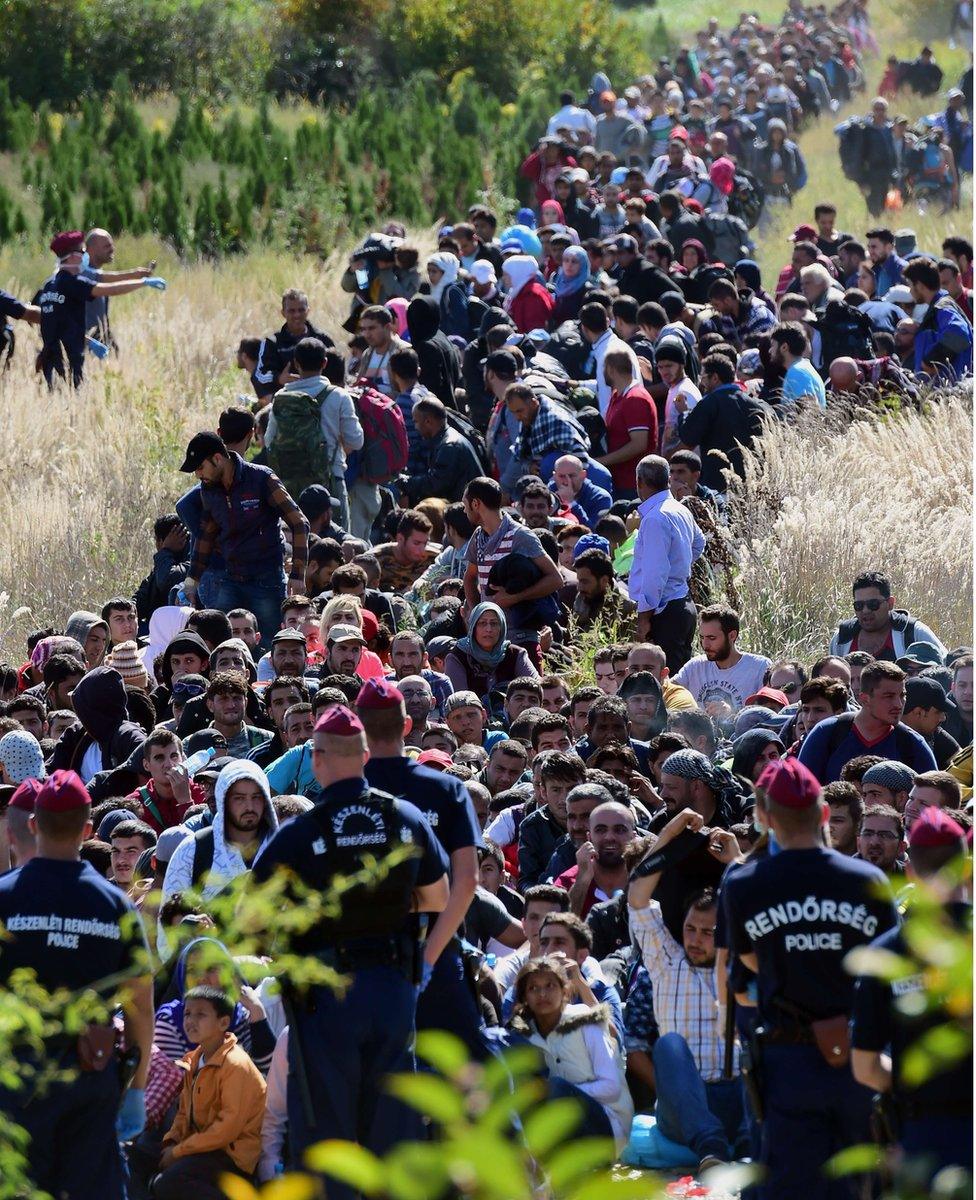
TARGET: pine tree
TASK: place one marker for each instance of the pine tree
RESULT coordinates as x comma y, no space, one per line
206,227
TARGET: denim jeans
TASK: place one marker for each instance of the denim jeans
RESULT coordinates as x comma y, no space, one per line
209,589
706,1117
261,595
594,1121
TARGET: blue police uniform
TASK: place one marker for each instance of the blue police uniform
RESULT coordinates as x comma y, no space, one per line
62,301
341,1048
448,1002
800,912
74,929
935,1117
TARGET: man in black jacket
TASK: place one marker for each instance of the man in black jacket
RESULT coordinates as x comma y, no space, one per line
725,419
451,462
638,277
274,357
684,225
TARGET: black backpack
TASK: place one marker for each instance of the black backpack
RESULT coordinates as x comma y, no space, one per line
851,134
203,854
474,437
747,198
905,738
845,332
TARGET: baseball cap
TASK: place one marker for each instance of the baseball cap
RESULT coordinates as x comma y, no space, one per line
462,700
435,759
623,243
803,233
503,363
62,791
289,635
378,693
317,499
768,693
201,447
214,767
167,842
440,646
590,541
68,242
901,293
935,827
339,721
925,693
787,782
923,654
344,633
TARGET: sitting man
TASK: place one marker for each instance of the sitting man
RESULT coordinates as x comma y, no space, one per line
696,1105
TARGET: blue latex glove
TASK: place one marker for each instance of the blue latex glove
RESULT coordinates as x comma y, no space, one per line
426,971
131,1120
154,281
99,349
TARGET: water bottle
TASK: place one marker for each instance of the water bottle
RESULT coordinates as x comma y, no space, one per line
490,960
196,762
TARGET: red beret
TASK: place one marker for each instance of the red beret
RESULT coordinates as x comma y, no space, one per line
371,625
435,758
68,242
933,828
788,782
379,693
339,721
25,795
62,791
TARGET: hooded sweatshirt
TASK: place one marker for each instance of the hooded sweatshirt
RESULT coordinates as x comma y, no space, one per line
164,625
440,365
256,1038
80,625
228,862
100,705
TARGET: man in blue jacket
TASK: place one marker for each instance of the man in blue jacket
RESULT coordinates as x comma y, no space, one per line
944,341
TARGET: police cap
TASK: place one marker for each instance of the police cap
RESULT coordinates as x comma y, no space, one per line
61,792
787,782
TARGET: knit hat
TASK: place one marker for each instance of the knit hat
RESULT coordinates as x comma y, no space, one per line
590,541
21,757
126,660
56,644
670,349
890,774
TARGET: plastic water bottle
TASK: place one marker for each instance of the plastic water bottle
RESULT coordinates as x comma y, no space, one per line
196,762
490,961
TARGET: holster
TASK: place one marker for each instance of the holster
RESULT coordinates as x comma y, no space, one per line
832,1036
750,1066
884,1120
96,1047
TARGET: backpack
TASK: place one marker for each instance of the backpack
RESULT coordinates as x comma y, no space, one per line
747,198
203,854
729,238
905,738
570,349
845,332
851,134
474,437
299,454
385,447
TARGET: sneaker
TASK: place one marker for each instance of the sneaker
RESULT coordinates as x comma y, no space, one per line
709,1162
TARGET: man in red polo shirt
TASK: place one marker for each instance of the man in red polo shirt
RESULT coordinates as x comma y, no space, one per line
631,424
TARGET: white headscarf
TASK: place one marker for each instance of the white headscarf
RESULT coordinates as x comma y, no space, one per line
165,623
520,269
450,265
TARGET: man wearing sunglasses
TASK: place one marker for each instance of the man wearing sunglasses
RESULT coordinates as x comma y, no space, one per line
877,627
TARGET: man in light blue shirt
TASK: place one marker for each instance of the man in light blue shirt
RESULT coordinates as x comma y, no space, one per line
668,542
790,346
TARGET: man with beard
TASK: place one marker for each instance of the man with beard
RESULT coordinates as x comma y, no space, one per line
641,692
408,657
344,647
723,676
600,871
881,839
696,1105
505,765
226,701
580,802
418,699
279,696
542,830
846,809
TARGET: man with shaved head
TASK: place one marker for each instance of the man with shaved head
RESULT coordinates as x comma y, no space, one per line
600,872
845,378
584,499
101,250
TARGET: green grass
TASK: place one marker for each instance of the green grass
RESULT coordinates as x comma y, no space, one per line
684,17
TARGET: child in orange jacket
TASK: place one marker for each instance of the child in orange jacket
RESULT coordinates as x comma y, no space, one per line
217,1129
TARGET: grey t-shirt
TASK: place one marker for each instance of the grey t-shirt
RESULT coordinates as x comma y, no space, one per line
486,918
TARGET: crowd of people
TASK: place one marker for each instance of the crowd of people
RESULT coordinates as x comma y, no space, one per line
460,595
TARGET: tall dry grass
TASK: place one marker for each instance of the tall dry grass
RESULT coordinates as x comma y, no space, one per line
88,471
820,505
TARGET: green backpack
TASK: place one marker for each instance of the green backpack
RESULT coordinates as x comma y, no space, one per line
299,455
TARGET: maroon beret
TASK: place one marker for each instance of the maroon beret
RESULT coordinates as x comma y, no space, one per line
933,828
61,792
339,721
788,782
378,693
68,242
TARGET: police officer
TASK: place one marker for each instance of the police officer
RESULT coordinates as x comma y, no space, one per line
447,1001
76,930
10,306
342,1047
62,301
933,1119
792,917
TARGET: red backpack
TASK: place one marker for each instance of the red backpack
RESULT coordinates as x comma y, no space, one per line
385,446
